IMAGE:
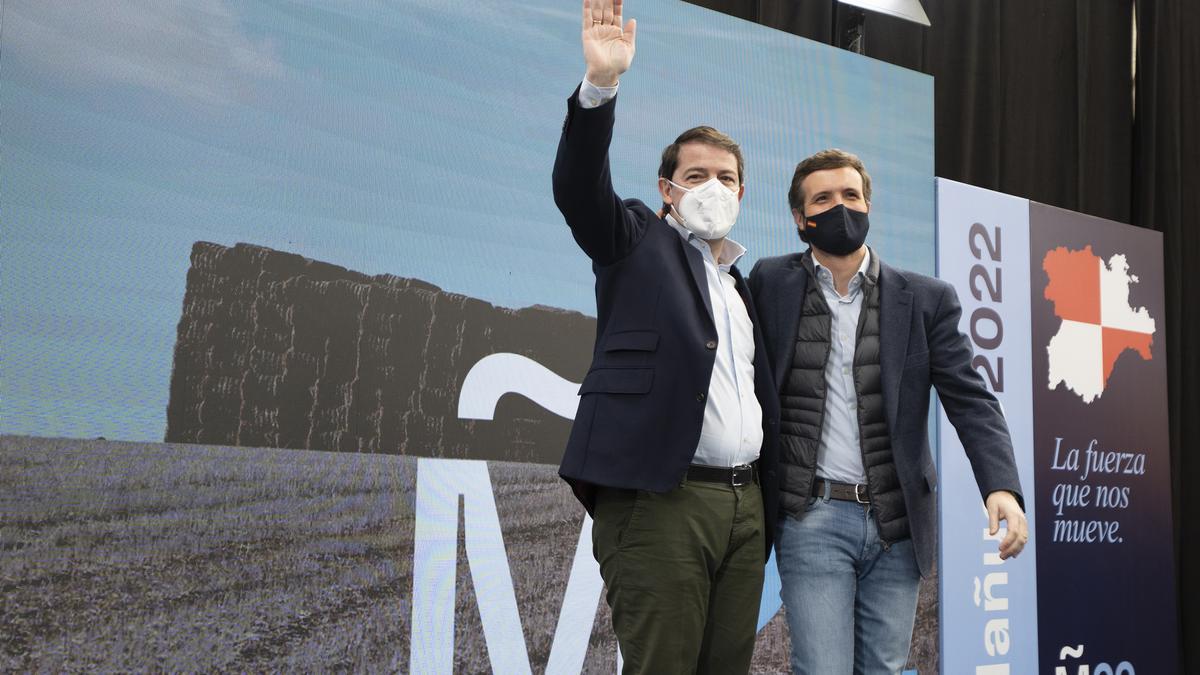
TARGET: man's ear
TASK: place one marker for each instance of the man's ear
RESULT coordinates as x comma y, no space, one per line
741,191
664,190
798,216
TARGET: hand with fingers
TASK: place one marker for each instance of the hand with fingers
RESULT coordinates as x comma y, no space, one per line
608,45
1002,505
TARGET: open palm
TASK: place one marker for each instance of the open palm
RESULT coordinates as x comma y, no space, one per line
608,46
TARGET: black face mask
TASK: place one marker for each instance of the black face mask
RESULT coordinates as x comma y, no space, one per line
838,231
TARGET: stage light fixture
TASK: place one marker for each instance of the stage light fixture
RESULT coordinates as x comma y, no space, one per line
849,25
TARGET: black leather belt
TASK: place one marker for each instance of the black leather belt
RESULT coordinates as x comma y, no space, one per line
850,492
736,476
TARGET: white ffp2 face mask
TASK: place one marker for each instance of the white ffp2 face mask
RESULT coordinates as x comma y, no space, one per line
708,210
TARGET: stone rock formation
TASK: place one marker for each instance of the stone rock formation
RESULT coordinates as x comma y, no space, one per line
277,350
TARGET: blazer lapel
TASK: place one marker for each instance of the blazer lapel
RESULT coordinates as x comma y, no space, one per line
789,298
739,285
895,309
762,360
695,263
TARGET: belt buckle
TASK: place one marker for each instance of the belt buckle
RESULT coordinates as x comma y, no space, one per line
859,490
741,475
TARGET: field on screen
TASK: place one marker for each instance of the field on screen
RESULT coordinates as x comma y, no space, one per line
303,225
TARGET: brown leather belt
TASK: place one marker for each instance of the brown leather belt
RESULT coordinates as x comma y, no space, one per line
735,476
850,492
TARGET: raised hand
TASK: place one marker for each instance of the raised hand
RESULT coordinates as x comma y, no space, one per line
607,45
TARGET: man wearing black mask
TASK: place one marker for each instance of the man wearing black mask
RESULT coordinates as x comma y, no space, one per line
855,346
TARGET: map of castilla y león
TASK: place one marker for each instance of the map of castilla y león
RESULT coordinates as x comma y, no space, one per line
1091,296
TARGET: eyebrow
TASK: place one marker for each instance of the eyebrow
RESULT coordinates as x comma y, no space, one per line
823,193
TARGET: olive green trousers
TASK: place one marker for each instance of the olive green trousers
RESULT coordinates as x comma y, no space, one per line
684,575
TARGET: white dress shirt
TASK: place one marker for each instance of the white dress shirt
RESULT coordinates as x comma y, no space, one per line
731,434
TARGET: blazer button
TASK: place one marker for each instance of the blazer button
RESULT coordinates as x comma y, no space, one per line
701,397
711,344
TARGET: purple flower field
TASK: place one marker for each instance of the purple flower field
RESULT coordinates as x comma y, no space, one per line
134,556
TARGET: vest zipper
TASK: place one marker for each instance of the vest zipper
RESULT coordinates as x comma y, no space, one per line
862,322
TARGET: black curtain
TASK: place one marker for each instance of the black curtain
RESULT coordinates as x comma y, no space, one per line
1166,197
1036,99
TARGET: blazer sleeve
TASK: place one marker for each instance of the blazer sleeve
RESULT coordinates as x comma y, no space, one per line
971,408
602,225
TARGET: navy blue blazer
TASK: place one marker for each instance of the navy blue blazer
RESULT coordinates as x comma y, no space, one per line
920,345
642,401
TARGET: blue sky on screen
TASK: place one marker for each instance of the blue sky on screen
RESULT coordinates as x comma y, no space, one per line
411,138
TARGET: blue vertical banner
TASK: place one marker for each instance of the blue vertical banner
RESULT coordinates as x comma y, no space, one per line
989,620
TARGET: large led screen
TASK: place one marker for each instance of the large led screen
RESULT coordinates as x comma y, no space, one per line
291,330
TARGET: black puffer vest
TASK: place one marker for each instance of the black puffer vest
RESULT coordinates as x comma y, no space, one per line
803,407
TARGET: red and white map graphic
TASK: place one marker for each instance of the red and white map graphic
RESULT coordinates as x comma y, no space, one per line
1098,323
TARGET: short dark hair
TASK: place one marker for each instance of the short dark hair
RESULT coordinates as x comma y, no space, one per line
706,135
826,159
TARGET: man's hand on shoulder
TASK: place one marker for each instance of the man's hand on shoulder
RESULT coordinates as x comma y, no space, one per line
608,45
1002,505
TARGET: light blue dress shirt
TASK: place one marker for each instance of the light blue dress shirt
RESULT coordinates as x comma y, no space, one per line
839,456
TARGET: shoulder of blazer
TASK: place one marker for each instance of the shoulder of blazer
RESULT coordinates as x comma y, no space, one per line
893,277
774,264
656,227
651,227
921,285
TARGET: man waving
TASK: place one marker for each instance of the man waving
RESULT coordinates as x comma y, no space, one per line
672,449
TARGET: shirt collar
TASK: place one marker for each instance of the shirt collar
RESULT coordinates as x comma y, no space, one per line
859,275
731,252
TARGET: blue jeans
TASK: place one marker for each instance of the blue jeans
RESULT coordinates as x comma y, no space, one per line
850,602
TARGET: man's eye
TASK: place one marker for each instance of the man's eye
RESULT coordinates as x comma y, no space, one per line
728,180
